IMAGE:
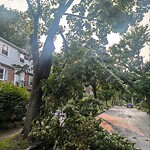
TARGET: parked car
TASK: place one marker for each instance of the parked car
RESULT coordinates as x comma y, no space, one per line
129,105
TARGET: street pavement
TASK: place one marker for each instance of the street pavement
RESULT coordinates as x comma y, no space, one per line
129,122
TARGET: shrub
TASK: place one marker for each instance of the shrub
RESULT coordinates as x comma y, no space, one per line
143,106
120,102
77,129
13,101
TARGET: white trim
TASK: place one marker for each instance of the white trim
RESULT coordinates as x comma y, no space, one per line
14,46
21,57
3,44
3,73
30,80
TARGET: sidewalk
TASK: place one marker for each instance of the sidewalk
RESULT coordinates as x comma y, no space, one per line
10,133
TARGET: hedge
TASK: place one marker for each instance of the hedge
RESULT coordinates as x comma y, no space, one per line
13,102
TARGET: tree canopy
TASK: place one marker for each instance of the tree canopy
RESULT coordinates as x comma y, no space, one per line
89,23
11,25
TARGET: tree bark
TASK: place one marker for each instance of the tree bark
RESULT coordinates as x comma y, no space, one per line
94,90
36,96
42,63
148,101
106,102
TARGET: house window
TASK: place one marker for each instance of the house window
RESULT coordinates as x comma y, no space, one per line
2,73
22,58
30,80
5,50
19,78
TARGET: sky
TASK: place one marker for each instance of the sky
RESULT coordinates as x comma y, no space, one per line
21,5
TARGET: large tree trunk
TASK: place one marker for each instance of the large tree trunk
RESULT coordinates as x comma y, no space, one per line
42,63
33,106
106,102
41,72
94,89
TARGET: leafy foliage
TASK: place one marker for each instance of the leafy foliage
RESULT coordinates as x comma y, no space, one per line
76,129
11,25
13,102
126,57
98,18
143,84
90,18
126,54
67,118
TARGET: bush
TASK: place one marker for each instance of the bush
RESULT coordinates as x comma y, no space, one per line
67,120
121,102
13,101
77,129
143,106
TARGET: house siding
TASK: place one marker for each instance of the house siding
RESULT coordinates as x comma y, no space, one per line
13,58
10,73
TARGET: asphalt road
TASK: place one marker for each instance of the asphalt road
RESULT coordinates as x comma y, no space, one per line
129,122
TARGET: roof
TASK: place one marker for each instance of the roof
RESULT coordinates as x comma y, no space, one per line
6,65
12,45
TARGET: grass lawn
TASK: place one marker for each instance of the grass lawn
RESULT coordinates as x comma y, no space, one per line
14,143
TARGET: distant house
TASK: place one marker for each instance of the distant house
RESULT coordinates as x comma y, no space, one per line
11,55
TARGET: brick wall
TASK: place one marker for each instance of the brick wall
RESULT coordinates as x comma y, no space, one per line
26,79
11,73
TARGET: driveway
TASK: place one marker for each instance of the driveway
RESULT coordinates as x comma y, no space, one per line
129,122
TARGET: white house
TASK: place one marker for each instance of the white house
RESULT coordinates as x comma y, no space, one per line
10,54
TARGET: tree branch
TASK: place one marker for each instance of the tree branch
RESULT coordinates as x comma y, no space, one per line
30,8
82,17
64,40
53,29
39,8
34,35
67,5
48,48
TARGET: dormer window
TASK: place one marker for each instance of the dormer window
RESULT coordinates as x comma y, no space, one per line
22,58
5,50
